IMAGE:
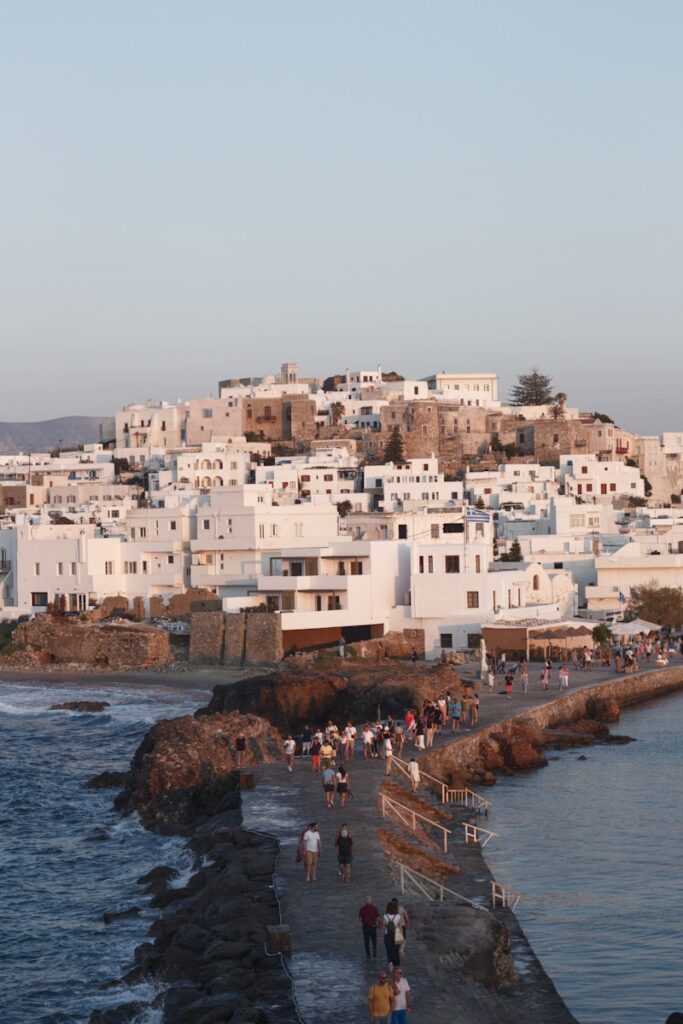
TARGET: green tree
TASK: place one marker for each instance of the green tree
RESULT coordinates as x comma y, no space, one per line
514,554
661,605
480,503
394,450
336,412
602,635
533,388
343,508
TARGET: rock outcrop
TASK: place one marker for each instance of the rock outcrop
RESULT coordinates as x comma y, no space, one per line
183,771
89,706
468,940
56,640
291,697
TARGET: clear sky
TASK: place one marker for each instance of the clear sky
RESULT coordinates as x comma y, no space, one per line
199,190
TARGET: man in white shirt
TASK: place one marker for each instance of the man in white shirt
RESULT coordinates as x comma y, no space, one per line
313,847
290,750
402,1003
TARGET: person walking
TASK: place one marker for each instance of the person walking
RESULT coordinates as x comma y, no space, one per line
380,999
388,751
326,754
564,676
455,712
313,848
524,675
419,733
290,750
393,933
402,1001
328,781
414,773
491,679
509,680
315,753
343,844
306,736
474,710
368,738
369,917
341,780
350,733
240,749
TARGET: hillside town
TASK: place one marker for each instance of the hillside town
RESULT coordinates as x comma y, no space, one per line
348,509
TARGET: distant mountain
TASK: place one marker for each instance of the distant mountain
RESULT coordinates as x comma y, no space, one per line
65,432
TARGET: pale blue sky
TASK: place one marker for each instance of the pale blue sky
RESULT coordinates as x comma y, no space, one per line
199,190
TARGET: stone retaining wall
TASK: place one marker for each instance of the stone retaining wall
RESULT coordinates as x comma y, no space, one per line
625,690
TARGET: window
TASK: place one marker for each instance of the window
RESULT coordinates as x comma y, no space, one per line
130,568
402,531
144,568
430,563
72,569
132,533
536,583
207,414
206,524
453,527
261,530
422,563
446,640
36,568
274,529
435,531
171,559
60,568
613,487
108,568
472,598
452,563
172,524
143,532
39,599
477,563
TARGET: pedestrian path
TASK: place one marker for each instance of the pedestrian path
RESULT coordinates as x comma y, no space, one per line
330,972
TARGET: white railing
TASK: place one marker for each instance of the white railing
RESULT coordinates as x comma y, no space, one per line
443,786
474,832
410,817
501,896
458,795
466,797
432,890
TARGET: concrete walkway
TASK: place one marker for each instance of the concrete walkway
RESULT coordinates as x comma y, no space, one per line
328,965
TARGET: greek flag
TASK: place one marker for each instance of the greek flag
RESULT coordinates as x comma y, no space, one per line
477,515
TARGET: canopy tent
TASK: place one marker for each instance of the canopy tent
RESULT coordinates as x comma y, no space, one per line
521,638
633,628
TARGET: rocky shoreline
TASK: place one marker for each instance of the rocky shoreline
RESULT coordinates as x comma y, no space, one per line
208,946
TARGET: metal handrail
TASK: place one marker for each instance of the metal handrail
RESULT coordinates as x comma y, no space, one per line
448,794
399,808
472,834
425,775
468,797
503,896
412,875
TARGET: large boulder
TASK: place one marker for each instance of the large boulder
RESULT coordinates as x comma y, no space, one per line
183,771
291,697
468,940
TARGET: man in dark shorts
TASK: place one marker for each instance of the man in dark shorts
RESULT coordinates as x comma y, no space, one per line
369,916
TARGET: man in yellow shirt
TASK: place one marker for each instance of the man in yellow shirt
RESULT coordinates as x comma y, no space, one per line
379,1000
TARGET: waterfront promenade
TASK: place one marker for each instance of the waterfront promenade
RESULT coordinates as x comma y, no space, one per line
328,965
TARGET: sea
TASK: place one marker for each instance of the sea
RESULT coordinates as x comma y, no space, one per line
66,857
595,848
594,845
